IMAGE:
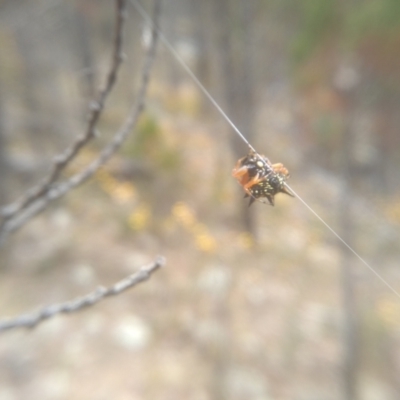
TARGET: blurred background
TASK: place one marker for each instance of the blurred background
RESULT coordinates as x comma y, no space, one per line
255,303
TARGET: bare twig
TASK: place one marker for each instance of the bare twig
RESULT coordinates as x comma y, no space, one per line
33,319
96,107
57,190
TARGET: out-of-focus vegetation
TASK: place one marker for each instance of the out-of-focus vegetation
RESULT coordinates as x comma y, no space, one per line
242,310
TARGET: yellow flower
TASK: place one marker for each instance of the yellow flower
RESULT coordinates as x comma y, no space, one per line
184,214
389,311
140,218
246,240
106,181
206,243
123,192
392,211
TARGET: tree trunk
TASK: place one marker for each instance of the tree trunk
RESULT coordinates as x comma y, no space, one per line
350,339
235,51
3,155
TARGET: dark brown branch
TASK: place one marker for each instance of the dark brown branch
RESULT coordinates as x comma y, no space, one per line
96,107
33,319
57,190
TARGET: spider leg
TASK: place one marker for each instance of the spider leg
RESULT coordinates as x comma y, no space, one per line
238,172
241,173
253,181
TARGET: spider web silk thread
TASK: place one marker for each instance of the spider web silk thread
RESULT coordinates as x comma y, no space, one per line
192,75
136,4
344,242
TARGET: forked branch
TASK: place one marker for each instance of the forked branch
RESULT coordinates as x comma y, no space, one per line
95,109
37,199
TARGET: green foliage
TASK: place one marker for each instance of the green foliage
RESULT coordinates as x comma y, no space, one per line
345,24
327,128
149,144
147,136
374,16
318,18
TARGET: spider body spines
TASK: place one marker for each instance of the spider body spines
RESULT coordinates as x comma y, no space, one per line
261,179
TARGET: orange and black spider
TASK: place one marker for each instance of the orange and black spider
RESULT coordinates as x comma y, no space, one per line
259,178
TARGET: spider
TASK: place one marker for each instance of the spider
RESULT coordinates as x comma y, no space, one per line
259,178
